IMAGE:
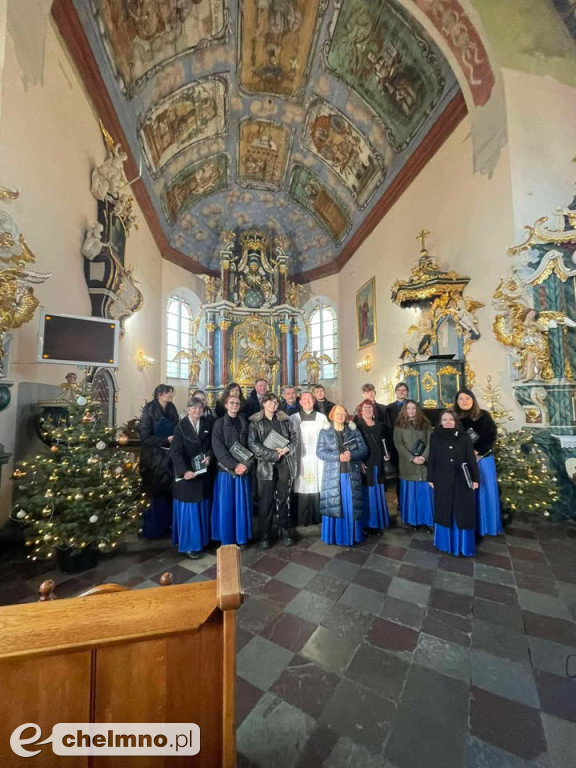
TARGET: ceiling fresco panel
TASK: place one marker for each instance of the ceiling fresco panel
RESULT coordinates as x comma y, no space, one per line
141,36
190,114
307,190
193,184
381,55
276,38
331,136
262,153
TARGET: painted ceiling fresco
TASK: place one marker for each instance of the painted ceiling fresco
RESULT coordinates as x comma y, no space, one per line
293,116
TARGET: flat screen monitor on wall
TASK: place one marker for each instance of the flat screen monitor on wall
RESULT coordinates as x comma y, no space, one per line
77,340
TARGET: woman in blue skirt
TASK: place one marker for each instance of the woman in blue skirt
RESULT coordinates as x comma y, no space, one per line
342,449
454,476
374,491
412,440
482,430
232,506
191,453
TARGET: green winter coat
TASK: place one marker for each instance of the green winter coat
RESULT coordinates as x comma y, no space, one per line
404,440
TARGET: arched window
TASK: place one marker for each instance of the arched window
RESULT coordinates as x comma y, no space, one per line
178,319
324,338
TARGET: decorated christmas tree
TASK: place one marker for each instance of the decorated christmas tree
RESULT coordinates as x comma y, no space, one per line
526,484
84,492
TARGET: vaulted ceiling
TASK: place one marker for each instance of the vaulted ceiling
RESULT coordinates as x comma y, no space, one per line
299,117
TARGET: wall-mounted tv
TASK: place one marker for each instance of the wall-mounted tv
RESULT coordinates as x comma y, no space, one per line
77,340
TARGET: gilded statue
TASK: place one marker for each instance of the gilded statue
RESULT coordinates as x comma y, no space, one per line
195,359
314,364
293,291
212,288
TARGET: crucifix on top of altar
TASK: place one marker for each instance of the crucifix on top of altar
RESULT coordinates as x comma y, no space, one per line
251,315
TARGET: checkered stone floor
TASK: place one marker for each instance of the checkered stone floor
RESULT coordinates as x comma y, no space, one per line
390,654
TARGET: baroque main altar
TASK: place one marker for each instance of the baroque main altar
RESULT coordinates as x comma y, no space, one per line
251,315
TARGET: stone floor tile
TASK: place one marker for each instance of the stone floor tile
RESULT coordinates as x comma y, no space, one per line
242,638
444,657
549,628
421,559
359,713
552,657
289,631
311,560
391,636
306,686
374,668
274,733
435,626
496,575
261,662
556,695
481,754
523,553
409,591
254,615
389,551
329,650
276,593
413,573
539,569
409,614
247,696
348,754
537,584
495,613
252,581
500,641
510,679
348,623
498,593
430,691
340,569
362,599
327,586
318,748
356,555
454,582
462,565
506,724
383,565
545,605
495,561
523,543
372,580
295,575
268,565
450,602
520,530
327,550
561,739
309,606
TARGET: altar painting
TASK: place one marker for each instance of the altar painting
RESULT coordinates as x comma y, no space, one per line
253,342
190,114
379,54
194,183
343,148
307,190
276,38
262,153
141,37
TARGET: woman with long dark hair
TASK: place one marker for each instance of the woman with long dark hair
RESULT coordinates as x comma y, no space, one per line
482,430
232,389
191,454
342,449
454,476
412,440
157,422
374,491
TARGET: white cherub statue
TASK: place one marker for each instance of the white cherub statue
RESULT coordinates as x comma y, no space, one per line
92,242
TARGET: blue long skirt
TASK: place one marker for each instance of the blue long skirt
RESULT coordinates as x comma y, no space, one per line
191,525
375,507
454,540
344,531
232,509
489,520
157,519
416,502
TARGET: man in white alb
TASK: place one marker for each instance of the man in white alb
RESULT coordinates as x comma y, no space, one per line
308,482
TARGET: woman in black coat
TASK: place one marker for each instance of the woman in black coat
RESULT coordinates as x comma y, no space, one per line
157,422
191,454
451,454
483,432
231,389
374,491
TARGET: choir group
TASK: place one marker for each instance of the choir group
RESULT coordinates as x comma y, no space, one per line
304,461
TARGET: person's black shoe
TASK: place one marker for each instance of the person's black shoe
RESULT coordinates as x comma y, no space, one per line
194,555
287,539
242,547
264,543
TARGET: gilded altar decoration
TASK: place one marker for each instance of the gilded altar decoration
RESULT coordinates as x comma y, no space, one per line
293,291
314,362
17,300
254,346
195,358
212,288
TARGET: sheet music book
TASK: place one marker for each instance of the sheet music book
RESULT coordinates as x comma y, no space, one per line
386,452
241,453
197,467
275,440
467,475
418,448
349,442
473,435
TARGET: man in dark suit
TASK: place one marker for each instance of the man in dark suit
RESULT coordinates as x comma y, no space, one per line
392,411
321,404
254,399
291,402
369,393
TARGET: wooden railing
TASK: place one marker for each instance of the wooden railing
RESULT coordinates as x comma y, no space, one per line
165,655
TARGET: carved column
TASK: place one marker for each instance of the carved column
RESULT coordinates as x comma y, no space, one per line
295,331
224,356
284,328
225,264
282,272
210,328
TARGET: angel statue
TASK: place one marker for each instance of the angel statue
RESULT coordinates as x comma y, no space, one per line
195,358
314,364
93,245
109,178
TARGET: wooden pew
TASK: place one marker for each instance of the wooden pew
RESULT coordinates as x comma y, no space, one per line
116,655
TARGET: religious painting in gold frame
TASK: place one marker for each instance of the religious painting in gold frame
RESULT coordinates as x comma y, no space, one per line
366,322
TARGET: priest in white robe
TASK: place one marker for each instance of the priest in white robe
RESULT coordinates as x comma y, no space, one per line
308,482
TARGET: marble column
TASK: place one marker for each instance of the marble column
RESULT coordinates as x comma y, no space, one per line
284,328
295,331
224,356
210,328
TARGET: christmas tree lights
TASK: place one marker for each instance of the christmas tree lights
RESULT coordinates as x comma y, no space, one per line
83,493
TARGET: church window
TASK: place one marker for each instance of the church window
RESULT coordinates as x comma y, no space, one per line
324,338
178,336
